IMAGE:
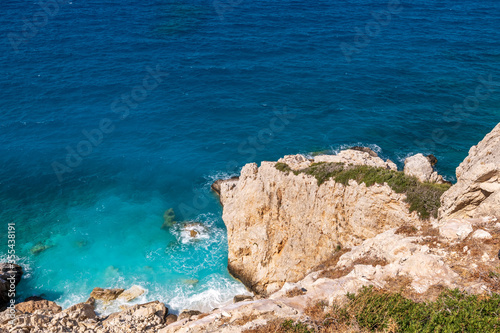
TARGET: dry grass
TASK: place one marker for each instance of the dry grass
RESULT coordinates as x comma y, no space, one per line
245,319
406,230
295,292
335,273
333,260
371,260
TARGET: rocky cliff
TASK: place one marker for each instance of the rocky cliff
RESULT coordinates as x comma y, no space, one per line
300,237
281,225
477,191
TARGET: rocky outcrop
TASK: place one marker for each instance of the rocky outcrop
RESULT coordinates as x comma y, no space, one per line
422,167
106,295
147,317
132,293
282,225
357,157
477,191
420,262
10,276
38,305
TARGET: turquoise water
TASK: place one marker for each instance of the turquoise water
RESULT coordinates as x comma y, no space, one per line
237,83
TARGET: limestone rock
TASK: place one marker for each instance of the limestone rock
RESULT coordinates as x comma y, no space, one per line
139,316
171,318
8,273
132,293
188,314
366,150
477,191
106,295
404,257
481,234
224,185
455,229
295,162
80,312
242,298
40,305
356,157
421,167
281,225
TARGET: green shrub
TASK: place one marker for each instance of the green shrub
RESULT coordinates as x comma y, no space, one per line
290,326
453,311
283,167
378,311
424,198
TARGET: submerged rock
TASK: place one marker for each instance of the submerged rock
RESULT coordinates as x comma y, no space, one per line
191,282
168,219
366,150
40,247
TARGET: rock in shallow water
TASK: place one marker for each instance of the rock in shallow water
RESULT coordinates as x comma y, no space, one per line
168,219
132,293
422,168
106,295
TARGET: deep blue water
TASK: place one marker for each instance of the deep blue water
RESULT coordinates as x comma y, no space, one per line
236,82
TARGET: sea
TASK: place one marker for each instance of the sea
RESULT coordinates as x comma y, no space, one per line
114,112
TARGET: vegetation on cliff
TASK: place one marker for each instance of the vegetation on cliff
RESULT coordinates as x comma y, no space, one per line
374,310
424,198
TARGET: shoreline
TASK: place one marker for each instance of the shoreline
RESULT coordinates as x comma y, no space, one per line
307,229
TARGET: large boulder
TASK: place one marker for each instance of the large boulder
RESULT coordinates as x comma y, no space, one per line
422,168
146,317
106,295
477,191
132,293
42,306
282,225
10,276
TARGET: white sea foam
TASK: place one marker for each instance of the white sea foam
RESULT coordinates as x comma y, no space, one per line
216,292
